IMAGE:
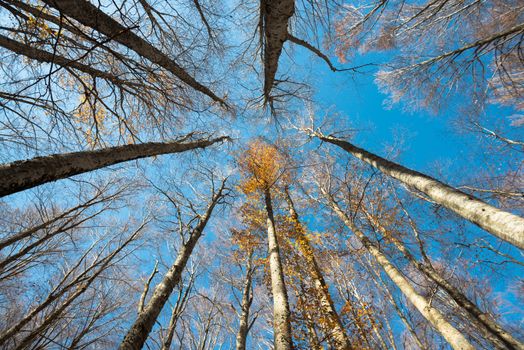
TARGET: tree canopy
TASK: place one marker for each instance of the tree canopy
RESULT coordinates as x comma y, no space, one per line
198,174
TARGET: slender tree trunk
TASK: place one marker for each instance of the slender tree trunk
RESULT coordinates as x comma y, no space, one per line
247,299
341,340
25,174
490,329
48,57
437,320
281,315
504,225
173,320
90,15
143,297
181,304
139,331
312,334
375,329
393,303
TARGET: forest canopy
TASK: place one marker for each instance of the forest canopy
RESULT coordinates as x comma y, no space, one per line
199,174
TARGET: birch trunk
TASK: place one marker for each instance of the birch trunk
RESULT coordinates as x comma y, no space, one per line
25,174
341,340
281,314
504,225
490,329
247,299
437,320
139,331
91,16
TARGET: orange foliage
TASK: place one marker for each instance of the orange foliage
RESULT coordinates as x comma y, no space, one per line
262,165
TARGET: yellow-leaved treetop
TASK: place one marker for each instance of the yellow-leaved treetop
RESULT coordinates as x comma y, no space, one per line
263,166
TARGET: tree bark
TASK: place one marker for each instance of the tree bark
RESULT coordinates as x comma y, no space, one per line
139,331
143,297
25,174
484,323
504,225
276,15
91,16
341,340
437,320
177,310
281,315
247,299
382,286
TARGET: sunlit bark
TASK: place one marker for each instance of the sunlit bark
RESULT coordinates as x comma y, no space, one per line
504,225
434,316
281,314
25,174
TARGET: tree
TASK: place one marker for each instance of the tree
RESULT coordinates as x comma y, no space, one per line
488,327
139,331
341,340
263,166
503,225
450,333
22,175
72,285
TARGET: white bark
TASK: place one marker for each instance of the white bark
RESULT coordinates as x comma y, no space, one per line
281,314
247,299
503,225
276,15
437,320
490,329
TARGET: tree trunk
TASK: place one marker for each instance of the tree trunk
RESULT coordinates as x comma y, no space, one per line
177,310
393,303
25,174
139,331
281,314
341,340
247,299
484,323
143,297
437,320
47,57
276,15
314,342
504,225
91,16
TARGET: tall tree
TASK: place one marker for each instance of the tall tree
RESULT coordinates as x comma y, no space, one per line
504,225
22,175
500,338
263,166
341,340
139,331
